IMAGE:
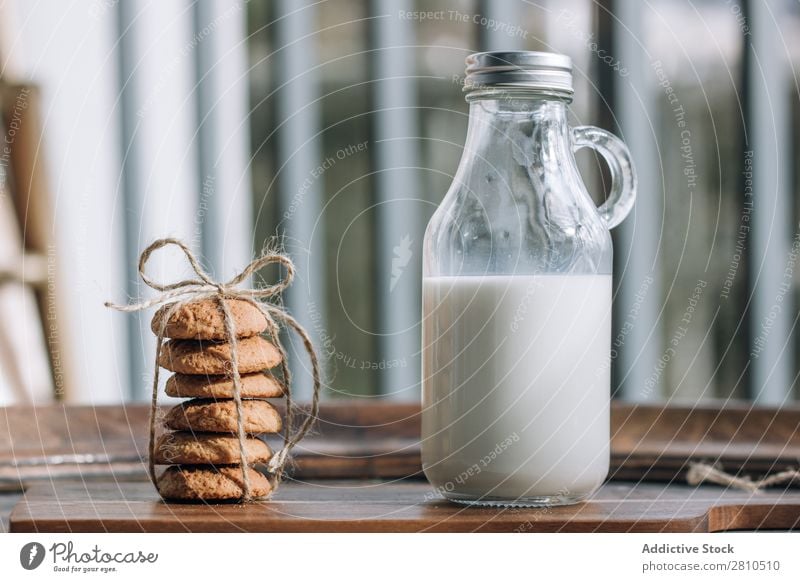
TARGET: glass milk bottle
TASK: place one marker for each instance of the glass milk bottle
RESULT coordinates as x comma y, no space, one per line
517,296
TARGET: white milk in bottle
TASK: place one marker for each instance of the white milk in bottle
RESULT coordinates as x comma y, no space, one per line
516,370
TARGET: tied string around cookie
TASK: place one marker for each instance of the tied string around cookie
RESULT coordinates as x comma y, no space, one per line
204,287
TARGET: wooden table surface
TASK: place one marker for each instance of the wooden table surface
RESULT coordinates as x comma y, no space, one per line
82,470
398,506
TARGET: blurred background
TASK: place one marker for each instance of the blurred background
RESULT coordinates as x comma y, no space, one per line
337,126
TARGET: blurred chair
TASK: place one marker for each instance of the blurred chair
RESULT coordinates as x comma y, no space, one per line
34,360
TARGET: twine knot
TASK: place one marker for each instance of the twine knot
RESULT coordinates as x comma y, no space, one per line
203,287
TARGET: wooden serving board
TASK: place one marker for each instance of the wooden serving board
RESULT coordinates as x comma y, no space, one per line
398,506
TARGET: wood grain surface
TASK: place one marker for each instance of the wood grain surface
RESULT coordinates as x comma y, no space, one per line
399,506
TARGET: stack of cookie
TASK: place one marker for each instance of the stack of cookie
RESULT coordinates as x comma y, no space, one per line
202,447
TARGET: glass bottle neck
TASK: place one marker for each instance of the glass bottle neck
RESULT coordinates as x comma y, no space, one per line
527,129
488,114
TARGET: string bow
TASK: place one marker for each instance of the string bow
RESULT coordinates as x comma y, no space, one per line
204,287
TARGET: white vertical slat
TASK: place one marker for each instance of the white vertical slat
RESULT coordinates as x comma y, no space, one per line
399,225
299,153
225,211
635,109
768,122
68,50
160,164
505,16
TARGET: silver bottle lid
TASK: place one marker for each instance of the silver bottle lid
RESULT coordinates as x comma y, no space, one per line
519,69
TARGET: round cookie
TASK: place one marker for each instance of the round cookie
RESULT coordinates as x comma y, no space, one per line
210,483
202,319
211,358
220,416
186,448
256,385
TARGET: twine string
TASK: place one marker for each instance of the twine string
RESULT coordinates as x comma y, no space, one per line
703,472
204,287
230,331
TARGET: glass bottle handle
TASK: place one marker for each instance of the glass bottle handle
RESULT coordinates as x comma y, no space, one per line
623,175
